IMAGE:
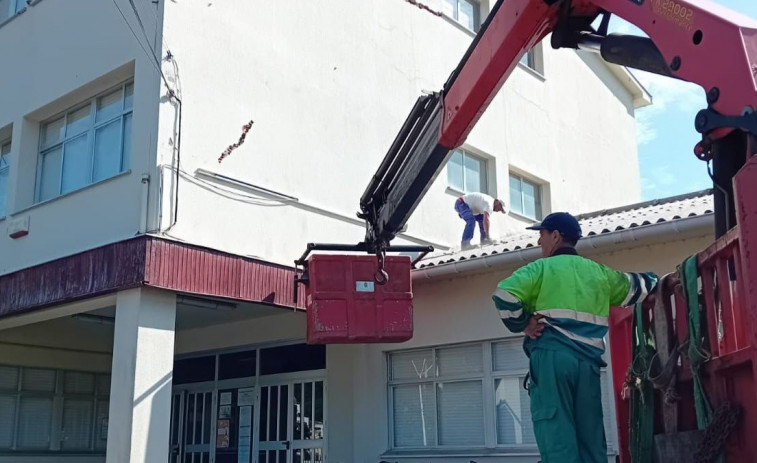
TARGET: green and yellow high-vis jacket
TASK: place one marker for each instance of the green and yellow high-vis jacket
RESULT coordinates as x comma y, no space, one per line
574,295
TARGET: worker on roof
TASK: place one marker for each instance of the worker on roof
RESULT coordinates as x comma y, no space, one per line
477,207
562,304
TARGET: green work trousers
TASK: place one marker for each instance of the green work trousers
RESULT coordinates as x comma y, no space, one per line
566,408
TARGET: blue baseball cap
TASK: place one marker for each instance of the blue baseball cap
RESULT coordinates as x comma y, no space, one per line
562,222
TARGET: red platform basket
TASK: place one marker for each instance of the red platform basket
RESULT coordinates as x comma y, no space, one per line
345,305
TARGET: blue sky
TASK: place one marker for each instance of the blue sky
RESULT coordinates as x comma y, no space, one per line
666,135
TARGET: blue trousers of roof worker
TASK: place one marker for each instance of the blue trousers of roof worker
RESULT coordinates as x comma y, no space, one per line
463,210
566,408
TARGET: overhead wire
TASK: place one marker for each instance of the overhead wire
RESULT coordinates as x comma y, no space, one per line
150,56
153,58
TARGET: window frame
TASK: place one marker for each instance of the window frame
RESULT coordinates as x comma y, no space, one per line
476,14
539,200
483,173
528,59
533,60
488,378
92,127
58,397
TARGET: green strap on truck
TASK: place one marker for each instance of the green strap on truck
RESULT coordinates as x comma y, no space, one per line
642,392
697,353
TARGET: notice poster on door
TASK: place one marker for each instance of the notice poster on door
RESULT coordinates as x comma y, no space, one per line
245,396
245,434
222,434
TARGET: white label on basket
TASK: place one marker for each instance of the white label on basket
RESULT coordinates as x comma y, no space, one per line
364,286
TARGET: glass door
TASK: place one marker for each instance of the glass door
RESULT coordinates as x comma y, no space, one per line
191,426
291,423
308,425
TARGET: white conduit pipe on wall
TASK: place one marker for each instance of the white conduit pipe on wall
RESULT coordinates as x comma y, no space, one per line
688,227
145,203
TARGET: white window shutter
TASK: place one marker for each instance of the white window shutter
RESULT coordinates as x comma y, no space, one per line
8,378
7,418
78,383
414,415
508,356
101,425
461,413
77,424
39,380
34,422
464,360
415,365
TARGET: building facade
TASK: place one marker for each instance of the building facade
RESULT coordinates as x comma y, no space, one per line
142,278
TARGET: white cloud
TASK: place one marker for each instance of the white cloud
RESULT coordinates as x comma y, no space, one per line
660,180
667,95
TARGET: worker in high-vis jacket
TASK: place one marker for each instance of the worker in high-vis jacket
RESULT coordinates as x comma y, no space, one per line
562,304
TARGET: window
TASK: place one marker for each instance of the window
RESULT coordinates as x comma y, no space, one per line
513,408
9,8
525,197
466,172
528,59
89,143
5,148
194,370
37,402
288,358
438,397
292,358
237,364
533,59
466,12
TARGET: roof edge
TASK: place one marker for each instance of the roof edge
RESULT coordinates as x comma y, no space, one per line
684,228
641,96
643,204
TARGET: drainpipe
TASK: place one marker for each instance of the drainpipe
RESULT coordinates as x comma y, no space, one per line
145,203
688,227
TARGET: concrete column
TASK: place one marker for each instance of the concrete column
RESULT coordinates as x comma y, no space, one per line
140,392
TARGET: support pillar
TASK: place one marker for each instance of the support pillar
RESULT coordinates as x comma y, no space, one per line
141,378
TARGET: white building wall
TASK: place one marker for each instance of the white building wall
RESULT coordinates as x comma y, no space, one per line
59,54
328,85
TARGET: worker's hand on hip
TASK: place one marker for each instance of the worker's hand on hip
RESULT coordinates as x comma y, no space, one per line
534,328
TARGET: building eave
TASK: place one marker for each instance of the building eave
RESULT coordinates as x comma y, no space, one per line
151,261
641,97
